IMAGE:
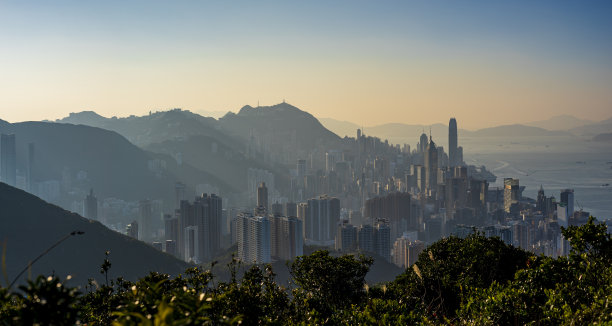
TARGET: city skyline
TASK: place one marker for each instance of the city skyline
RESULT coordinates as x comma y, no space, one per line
410,62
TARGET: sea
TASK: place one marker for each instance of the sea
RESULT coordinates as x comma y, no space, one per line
555,163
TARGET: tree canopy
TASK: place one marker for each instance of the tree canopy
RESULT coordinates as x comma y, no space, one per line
472,280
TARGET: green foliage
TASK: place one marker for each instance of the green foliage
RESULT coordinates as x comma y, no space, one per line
471,281
592,239
45,301
437,282
572,290
326,283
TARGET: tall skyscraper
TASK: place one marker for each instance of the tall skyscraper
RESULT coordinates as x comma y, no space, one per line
90,206
431,168
346,237
452,143
253,238
511,194
171,227
287,238
567,197
320,217
394,207
423,143
277,209
366,238
262,196
382,240
206,214
291,209
8,159
146,215
406,251
541,201
179,189
192,244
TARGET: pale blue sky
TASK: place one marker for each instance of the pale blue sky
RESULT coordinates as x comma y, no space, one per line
418,62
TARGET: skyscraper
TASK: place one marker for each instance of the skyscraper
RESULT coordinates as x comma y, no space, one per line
431,168
423,143
206,214
170,227
262,196
511,194
179,189
382,240
90,206
452,143
8,159
394,207
146,215
253,237
567,197
541,201
406,251
287,238
320,217
365,236
346,237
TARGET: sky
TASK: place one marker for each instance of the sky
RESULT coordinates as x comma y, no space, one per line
369,62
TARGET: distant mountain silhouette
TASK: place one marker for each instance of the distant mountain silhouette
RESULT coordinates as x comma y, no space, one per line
280,127
515,130
226,163
202,142
153,128
560,122
439,131
339,127
114,167
28,226
594,129
281,124
607,137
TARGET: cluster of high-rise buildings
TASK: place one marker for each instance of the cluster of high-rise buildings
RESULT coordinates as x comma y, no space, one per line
372,197
193,233
267,234
365,195
9,173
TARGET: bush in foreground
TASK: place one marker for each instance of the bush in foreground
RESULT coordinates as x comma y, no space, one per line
475,280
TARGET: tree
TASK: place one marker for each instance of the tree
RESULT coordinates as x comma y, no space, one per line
327,283
446,269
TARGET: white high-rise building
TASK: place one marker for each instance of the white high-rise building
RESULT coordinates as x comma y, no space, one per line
406,251
253,237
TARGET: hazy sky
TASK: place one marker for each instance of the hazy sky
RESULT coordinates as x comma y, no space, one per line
484,62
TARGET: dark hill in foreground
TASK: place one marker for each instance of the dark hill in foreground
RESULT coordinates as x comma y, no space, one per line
28,226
